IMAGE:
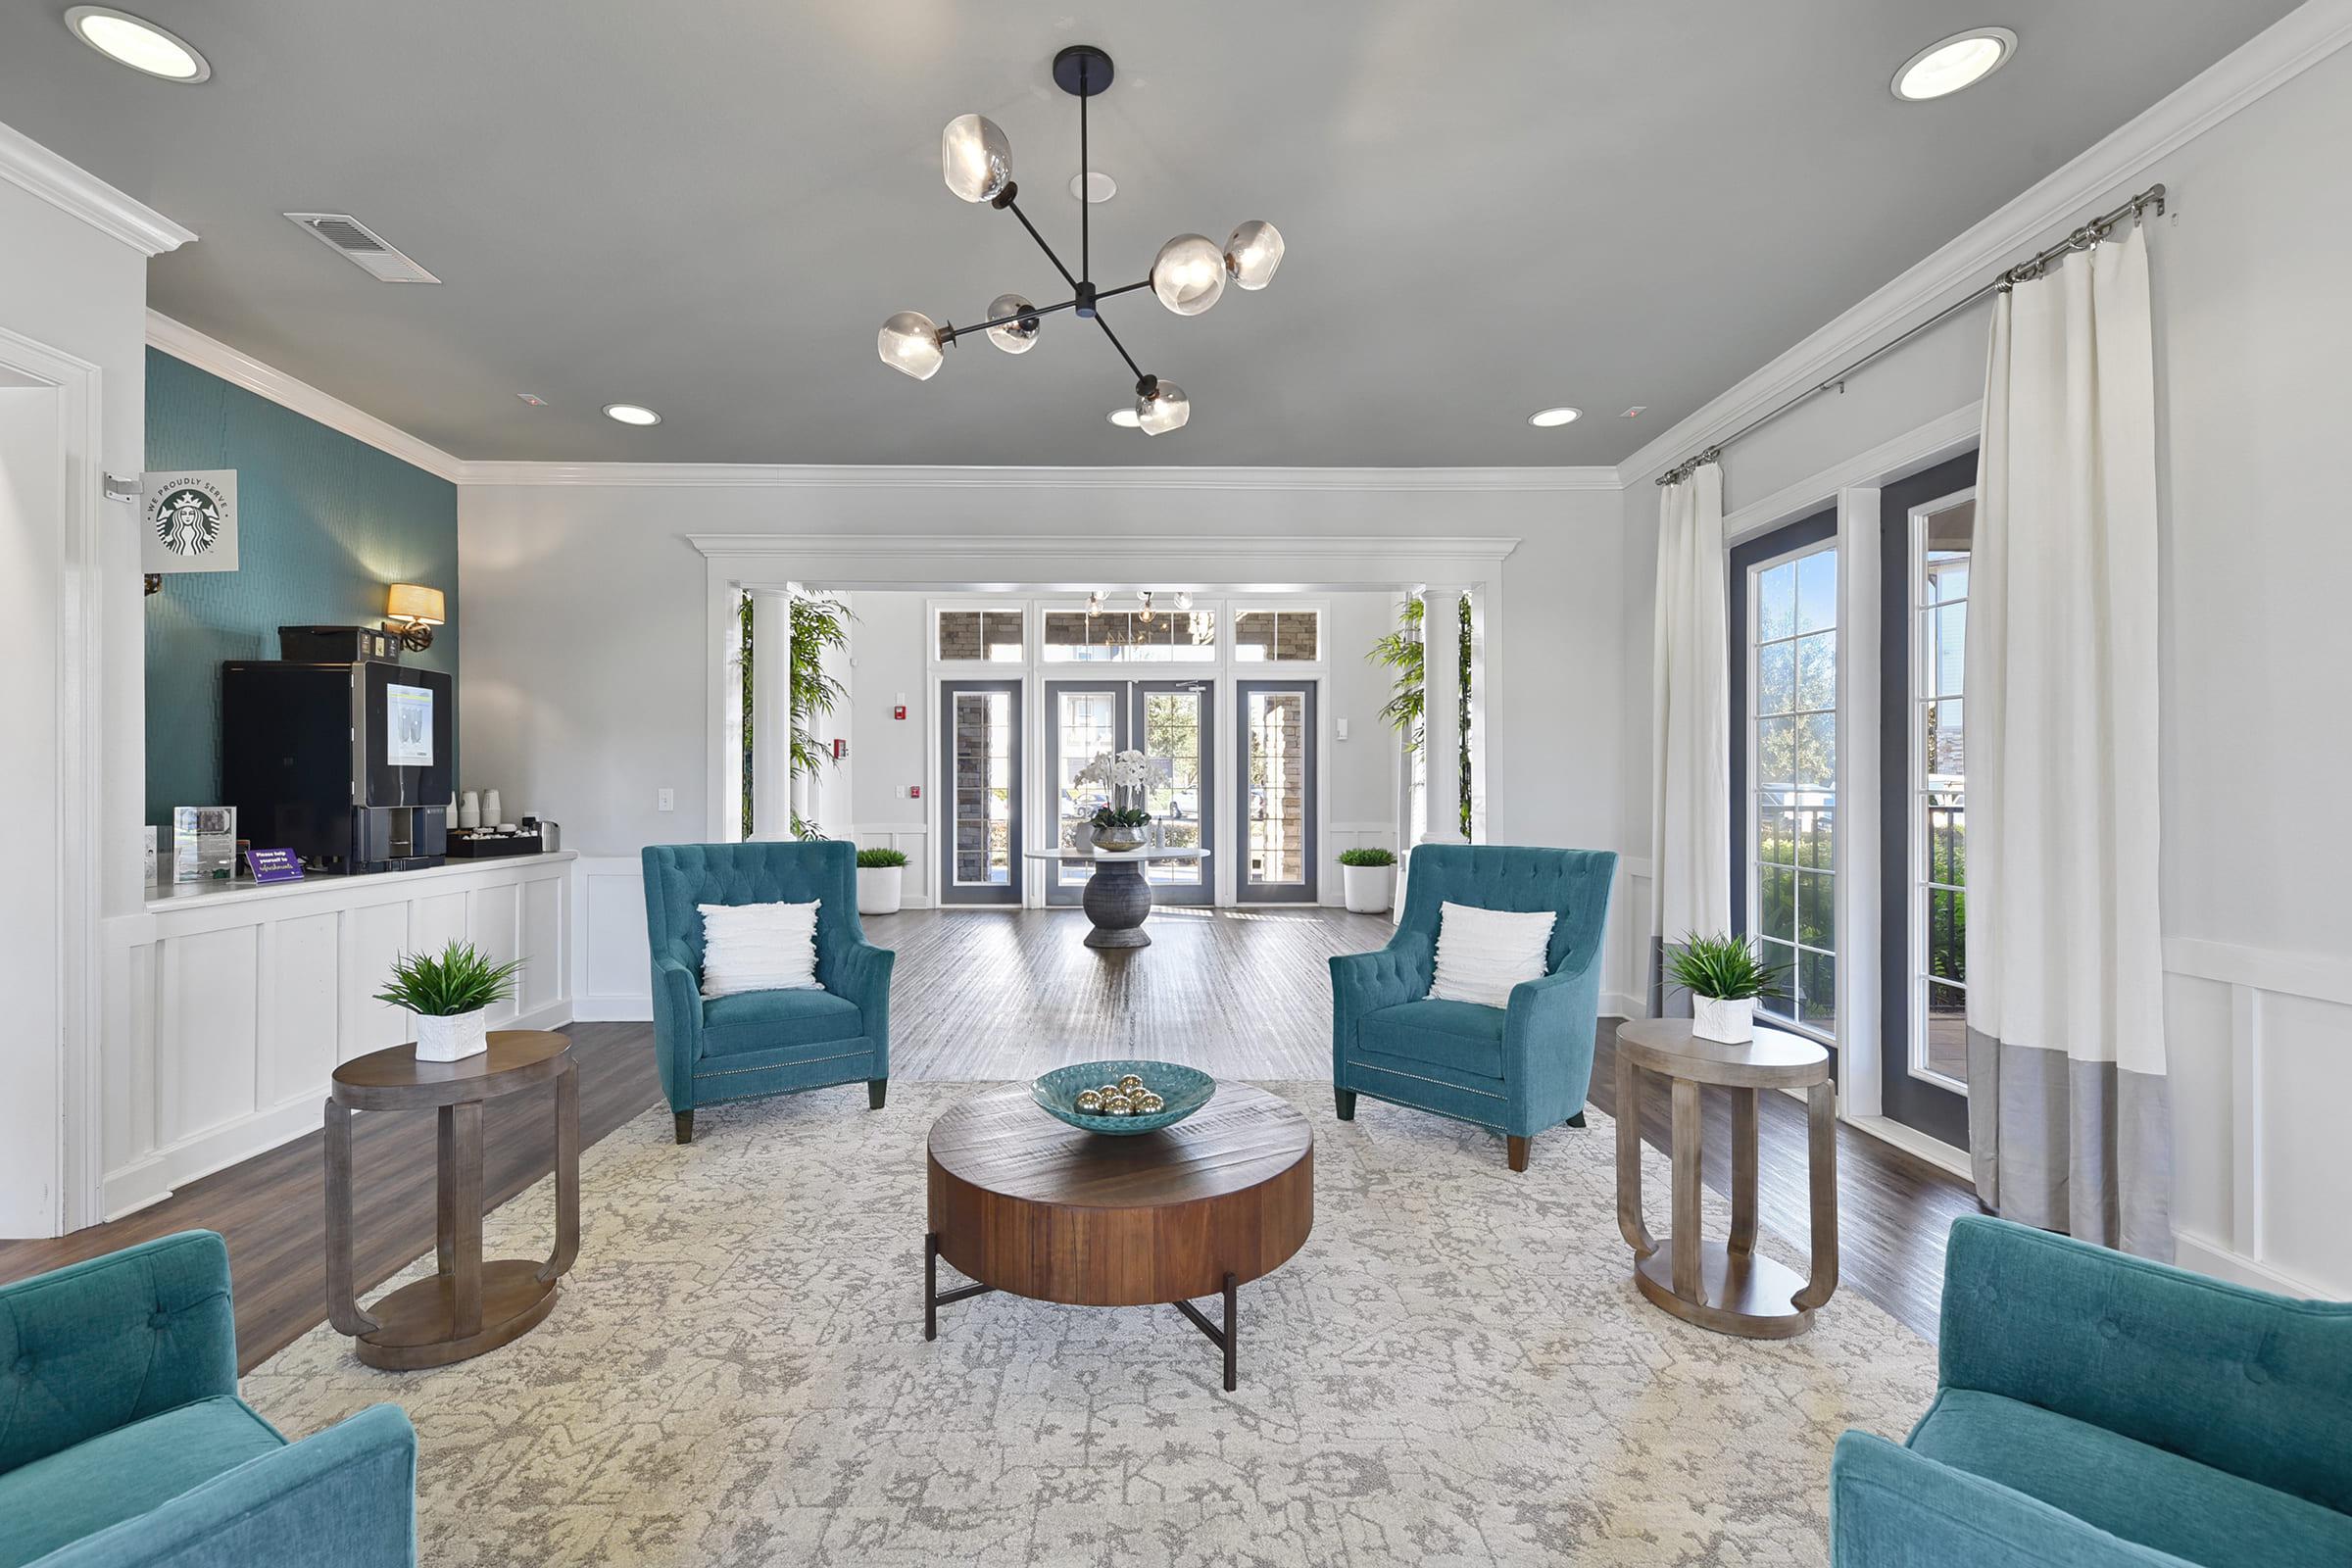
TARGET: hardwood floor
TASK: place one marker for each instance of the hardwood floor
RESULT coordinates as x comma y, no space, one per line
995,995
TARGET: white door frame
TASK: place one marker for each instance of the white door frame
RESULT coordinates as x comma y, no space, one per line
80,654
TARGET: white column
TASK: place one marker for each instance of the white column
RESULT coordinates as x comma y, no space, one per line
1441,712
771,714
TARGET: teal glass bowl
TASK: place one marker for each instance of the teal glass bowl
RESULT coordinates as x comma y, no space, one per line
1184,1088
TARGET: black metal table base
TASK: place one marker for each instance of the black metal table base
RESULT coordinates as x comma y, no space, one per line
1226,1337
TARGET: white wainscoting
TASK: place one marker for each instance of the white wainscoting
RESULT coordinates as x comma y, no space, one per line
225,1011
913,839
612,974
1625,972
2259,1053
1339,836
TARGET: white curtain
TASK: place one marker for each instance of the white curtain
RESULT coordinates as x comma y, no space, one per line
1690,814
2069,1126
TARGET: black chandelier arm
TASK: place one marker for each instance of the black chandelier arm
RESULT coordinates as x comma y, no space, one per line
1121,347
948,334
1085,197
1123,288
1015,208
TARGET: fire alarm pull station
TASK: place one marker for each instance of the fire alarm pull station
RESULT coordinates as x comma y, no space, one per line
914,792
898,711
841,748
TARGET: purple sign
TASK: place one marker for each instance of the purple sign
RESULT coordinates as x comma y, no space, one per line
274,865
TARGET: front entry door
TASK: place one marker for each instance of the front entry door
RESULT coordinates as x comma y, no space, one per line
1276,791
980,795
1170,723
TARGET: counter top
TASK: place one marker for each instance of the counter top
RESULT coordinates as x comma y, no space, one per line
211,894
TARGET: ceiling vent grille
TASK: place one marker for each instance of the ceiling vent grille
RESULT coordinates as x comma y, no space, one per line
362,246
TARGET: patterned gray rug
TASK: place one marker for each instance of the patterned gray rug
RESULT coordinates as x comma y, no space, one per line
1456,1370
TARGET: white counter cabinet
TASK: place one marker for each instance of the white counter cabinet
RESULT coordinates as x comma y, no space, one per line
228,1007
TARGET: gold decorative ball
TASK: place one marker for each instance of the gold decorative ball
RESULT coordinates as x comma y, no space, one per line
1090,1099
1118,1106
1130,1084
1108,1090
1147,1103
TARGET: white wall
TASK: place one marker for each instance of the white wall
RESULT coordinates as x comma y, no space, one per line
584,652
68,288
2254,333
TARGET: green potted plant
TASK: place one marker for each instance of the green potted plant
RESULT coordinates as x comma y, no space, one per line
881,874
448,992
1725,976
1368,877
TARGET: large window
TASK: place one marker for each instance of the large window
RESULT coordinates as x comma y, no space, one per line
1938,785
1791,734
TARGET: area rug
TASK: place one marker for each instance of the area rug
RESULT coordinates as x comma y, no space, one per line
1455,1370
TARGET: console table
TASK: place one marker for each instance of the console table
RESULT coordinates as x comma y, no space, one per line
1118,896
1728,1287
466,1307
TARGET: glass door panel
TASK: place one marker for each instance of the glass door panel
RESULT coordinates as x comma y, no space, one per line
1276,791
980,764
1089,721
1171,725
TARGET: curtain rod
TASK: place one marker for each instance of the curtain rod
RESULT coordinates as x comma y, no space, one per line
2033,267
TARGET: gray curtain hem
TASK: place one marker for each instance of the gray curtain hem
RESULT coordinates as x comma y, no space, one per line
2082,1148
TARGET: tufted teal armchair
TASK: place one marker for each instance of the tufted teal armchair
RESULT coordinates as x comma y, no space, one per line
1518,1070
123,1444
2095,1410
763,1042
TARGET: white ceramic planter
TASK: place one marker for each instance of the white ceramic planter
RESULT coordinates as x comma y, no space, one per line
879,888
1368,889
452,1038
1730,1021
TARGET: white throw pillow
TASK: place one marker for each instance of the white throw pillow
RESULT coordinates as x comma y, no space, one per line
758,947
1483,952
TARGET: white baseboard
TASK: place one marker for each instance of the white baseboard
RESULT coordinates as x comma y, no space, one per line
2208,1256
1934,1150
612,1009
1619,1005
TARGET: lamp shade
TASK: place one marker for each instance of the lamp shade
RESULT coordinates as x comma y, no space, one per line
1252,253
1188,273
974,158
412,603
909,342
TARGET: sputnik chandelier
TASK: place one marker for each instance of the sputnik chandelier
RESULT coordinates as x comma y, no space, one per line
1188,275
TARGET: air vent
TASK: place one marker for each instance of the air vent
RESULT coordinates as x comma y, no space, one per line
362,246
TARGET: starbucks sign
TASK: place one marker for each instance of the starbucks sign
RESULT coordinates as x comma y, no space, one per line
190,521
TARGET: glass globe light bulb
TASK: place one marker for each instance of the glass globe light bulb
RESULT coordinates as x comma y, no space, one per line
909,342
975,158
1188,273
1252,253
1013,337
1165,409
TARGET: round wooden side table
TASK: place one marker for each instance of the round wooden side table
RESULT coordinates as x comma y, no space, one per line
468,1307
1026,1205
1728,1287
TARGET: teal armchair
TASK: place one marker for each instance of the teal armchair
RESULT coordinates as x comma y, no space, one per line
123,1444
2097,1410
1518,1070
763,1042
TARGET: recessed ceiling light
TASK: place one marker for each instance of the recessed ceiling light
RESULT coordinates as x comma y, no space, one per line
1100,187
631,413
533,399
1125,419
1961,60
1547,418
138,43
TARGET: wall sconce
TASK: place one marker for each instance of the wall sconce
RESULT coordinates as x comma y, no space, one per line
412,613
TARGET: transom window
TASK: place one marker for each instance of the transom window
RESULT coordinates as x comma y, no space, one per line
990,635
1792,768
1125,636
1264,636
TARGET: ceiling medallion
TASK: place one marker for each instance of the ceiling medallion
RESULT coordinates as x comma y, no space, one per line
1188,275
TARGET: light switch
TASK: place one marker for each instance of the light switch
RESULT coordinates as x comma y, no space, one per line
665,800
1342,729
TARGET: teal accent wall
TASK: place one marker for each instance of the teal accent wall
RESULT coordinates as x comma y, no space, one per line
326,524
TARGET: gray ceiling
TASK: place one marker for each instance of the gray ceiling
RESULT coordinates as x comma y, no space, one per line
709,207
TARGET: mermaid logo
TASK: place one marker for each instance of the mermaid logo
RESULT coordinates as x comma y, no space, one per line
187,520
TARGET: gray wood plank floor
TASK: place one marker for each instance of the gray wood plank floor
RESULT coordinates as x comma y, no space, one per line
991,994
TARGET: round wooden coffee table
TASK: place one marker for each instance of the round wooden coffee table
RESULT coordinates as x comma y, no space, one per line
1728,1287
466,1307
1026,1205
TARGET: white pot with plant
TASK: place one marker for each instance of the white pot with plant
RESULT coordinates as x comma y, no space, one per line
1123,824
1725,978
881,880
448,992
1368,878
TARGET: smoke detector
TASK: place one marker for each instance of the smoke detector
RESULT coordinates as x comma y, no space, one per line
362,246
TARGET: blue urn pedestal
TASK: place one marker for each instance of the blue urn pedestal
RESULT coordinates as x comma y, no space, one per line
1118,899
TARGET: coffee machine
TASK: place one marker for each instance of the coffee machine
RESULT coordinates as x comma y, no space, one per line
347,763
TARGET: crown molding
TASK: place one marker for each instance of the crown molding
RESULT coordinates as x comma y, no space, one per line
2264,63
841,476
1065,548
71,188
184,342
